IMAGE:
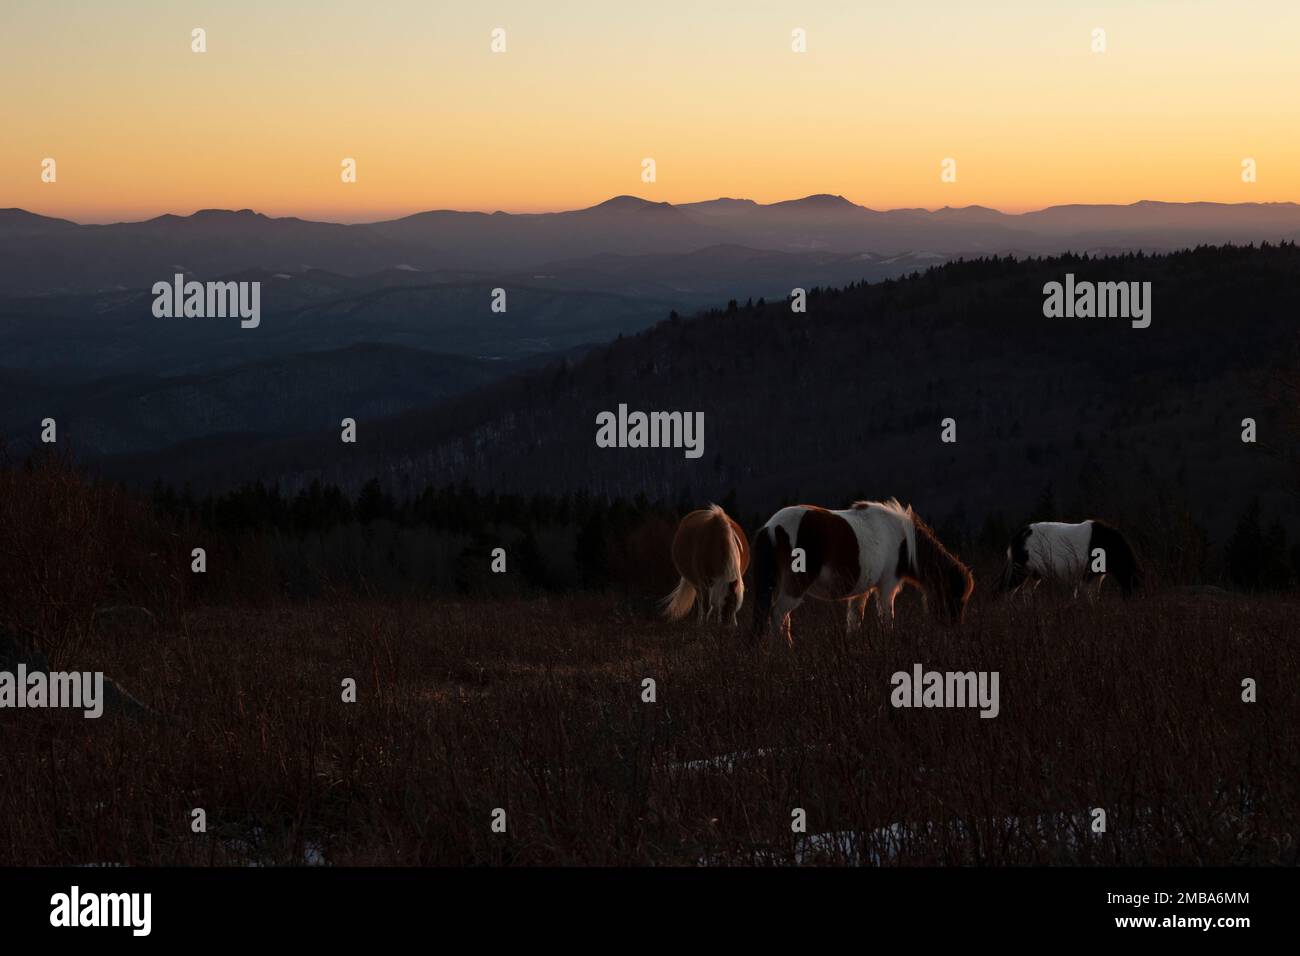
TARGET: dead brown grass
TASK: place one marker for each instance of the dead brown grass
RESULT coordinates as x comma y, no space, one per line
535,706
73,550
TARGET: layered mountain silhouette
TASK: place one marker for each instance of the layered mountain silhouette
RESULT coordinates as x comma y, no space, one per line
378,319
40,256
848,400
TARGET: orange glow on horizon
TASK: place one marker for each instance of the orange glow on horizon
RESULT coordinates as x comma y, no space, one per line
140,125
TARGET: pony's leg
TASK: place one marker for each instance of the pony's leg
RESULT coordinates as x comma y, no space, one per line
782,606
885,595
735,598
1013,580
1030,587
1092,590
854,612
701,605
718,594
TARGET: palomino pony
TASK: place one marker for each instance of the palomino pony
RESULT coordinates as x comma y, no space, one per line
874,546
1069,554
711,555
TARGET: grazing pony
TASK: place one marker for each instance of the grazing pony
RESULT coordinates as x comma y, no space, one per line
1069,554
711,555
846,555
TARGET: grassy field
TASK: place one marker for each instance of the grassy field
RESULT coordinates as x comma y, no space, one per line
535,706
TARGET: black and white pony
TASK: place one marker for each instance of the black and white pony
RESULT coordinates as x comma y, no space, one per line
1071,556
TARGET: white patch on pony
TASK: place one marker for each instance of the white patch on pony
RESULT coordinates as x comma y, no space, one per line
787,518
881,526
1059,551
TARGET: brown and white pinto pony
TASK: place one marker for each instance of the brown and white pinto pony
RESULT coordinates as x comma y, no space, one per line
875,546
711,555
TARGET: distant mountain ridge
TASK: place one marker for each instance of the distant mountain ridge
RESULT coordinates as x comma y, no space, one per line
41,255
13,217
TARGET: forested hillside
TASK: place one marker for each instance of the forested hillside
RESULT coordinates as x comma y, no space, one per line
1082,416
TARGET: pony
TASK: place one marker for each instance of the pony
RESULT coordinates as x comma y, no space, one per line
1068,554
874,546
711,554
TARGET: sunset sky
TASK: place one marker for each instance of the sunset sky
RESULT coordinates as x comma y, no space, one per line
140,125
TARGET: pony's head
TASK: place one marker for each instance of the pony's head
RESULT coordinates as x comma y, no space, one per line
947,582
1121,561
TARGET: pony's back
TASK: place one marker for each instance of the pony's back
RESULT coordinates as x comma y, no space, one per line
882,520
1065,552
711,555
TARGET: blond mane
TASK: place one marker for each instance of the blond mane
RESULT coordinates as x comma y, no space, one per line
890,504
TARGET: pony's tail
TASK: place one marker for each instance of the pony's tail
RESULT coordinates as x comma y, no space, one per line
763,564
679,602
735,569
1013,575
1002,583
